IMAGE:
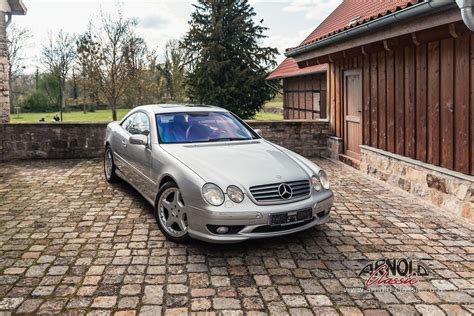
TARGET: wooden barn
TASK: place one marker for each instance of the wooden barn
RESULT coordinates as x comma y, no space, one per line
400,92
304,90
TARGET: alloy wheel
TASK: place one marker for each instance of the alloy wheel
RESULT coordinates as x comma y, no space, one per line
108,163
172,214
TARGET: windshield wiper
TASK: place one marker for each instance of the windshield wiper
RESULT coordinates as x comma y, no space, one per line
227,139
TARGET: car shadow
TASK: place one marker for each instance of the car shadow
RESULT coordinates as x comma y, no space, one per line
314,237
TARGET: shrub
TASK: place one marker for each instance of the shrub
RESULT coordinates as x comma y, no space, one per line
37,101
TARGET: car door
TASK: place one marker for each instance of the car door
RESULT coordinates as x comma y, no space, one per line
139,156
120,144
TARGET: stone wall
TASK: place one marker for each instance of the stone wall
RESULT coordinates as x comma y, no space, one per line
448,189
4,91
85,140
335,147
50,140
307,138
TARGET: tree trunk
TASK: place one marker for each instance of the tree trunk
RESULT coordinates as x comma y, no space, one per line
114,112
63,99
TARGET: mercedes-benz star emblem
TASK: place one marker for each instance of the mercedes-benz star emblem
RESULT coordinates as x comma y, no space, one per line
285,191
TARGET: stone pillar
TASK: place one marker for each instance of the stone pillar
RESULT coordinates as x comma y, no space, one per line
4,88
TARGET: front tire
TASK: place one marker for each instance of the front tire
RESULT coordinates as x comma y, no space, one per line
170,213
109,166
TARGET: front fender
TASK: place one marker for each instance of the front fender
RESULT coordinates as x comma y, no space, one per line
189,182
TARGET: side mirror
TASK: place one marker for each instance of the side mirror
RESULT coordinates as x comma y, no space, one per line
258,131
138,140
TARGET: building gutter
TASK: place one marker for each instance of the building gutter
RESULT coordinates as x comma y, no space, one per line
402,15
467,12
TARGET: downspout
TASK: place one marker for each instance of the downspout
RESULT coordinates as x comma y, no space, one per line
404,14
9,19
467,12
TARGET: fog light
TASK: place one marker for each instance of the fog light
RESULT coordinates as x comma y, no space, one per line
222,230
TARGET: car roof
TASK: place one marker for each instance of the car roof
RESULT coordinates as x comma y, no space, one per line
172,108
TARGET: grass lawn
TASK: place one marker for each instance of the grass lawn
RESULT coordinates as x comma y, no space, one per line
102,116
274,104
97,116
267,116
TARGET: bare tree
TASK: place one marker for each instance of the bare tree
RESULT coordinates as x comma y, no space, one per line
173,69
17,39
104,52
136,59
58,56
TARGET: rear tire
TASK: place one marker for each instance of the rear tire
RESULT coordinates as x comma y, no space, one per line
109,166
170,213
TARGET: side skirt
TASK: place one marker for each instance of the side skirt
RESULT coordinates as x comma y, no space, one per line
122,176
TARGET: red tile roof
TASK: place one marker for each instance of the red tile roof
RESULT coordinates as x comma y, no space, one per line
348,14
289,68
351,13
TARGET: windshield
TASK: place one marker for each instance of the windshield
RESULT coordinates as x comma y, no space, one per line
194,127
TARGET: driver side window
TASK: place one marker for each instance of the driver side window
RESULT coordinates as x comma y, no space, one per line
140,125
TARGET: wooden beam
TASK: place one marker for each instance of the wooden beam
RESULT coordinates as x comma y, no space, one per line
461,105
414,39
390,96
446,109
452,30
395,30
433,103
410,86
420,101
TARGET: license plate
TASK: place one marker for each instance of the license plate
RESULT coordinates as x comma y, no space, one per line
290,217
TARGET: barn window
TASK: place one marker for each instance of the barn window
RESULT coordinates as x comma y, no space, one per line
305,97
316,101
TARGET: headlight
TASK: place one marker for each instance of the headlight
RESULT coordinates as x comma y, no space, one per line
323,178
235,194
213,194
315,183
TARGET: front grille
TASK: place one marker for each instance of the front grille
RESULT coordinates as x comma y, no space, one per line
269,192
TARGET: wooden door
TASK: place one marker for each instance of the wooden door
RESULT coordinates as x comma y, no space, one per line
352,113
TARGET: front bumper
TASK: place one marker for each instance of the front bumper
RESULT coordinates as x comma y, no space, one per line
255,219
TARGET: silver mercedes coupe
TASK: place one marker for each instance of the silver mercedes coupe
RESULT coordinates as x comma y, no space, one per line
209,176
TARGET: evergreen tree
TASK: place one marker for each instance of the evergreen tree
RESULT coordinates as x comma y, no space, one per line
228,65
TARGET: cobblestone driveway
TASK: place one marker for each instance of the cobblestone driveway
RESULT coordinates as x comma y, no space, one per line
71,243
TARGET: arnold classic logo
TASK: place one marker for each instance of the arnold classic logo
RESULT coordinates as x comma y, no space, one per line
392,272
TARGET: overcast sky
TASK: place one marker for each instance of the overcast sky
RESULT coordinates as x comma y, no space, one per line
289,21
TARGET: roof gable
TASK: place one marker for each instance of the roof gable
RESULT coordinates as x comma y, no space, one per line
289,68
351,13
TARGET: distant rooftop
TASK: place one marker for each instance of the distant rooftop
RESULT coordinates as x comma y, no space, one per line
17,7
289,68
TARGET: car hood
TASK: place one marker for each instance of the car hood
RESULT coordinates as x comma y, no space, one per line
244,163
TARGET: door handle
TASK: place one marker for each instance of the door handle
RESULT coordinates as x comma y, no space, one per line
124,142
